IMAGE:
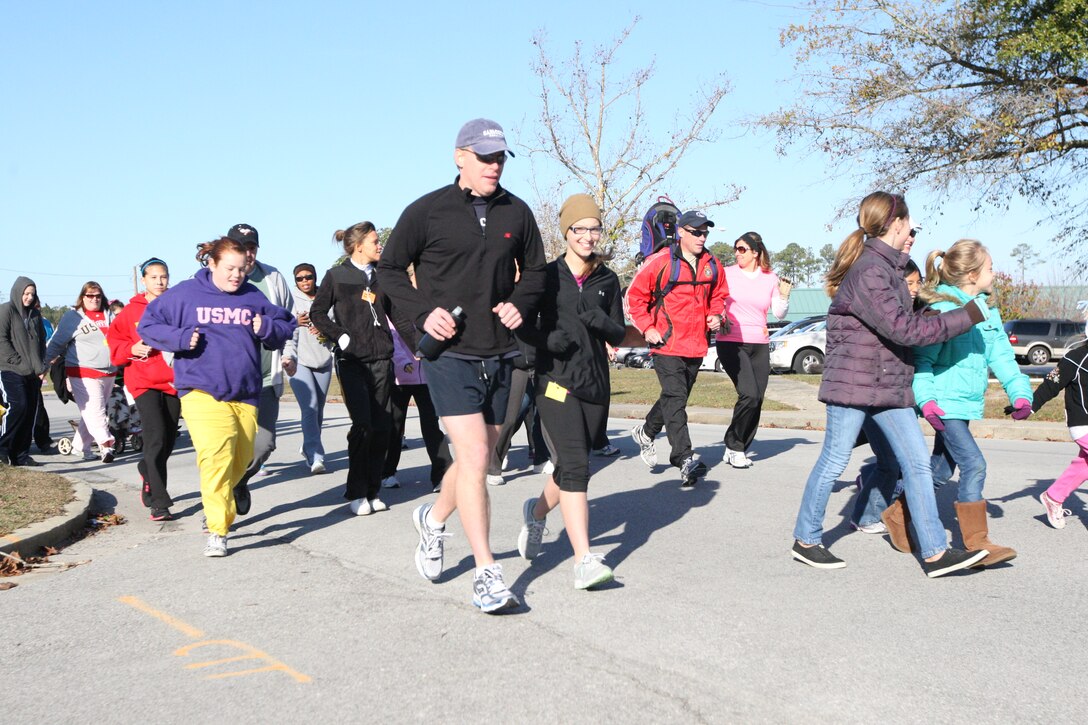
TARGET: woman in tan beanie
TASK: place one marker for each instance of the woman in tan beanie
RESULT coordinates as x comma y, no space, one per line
582,309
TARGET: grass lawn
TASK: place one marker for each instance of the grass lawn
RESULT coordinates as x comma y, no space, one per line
712,390
28,495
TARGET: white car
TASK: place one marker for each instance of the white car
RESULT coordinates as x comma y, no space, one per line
800,349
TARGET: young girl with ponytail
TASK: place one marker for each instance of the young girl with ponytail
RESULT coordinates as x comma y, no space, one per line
871,328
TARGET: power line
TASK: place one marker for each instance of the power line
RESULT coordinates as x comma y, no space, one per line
53,274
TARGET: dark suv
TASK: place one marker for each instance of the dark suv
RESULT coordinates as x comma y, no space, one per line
1039,341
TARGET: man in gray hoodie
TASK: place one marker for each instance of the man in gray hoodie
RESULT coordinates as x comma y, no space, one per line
22,363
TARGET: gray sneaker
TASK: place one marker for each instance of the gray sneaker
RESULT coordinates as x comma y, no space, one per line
692,470
430,548
591,572
647,448
490,593
216,546
532,532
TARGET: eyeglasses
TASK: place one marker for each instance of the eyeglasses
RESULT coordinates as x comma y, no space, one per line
696,232
498,157
914,232
93,297
741,250
305,278
591,231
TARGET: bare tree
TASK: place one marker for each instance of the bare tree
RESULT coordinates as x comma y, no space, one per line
596,127
979,97
1024,254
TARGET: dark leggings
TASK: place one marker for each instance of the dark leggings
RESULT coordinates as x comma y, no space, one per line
159,413
438,450
748,366
569,429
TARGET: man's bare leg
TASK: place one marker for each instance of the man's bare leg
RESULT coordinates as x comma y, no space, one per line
464,487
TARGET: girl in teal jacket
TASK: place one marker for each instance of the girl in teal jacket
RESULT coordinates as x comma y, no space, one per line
950,382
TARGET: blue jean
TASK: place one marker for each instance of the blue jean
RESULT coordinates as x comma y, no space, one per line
311,386
956,446
878,480
900,428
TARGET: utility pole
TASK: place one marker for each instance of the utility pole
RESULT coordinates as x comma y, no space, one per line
135,280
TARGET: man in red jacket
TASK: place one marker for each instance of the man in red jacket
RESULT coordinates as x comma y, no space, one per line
675,299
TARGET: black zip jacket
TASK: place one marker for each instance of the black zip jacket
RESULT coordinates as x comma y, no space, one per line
344,289
458,263
573,328
22,335
1070,375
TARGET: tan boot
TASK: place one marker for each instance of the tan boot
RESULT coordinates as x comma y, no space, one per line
897,518
976,535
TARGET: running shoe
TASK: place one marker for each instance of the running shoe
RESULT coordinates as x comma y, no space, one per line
376,505
817,556
607,452
1055,514
591,572
318,468
691,471
242,500
532,532
737,459
490,593
145,492
361,507
877,527
161,515
547,468
107,454
647,447
495,480
216,546
431,544
390,482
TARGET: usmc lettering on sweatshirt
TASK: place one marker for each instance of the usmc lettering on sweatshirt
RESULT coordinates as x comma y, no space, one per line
224,316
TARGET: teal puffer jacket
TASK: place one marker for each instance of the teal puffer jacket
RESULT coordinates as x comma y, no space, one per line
955,373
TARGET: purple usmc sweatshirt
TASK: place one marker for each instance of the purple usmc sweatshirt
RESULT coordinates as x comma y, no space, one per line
226,363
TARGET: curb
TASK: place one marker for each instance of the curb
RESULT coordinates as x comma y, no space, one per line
27,541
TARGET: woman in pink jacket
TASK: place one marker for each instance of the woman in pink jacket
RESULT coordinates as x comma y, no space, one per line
743,343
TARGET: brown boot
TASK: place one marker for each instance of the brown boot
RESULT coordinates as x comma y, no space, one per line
976,535
897,518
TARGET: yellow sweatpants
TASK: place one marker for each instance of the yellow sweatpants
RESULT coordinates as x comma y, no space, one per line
223,435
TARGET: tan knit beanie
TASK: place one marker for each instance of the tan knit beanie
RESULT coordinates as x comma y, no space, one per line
577,206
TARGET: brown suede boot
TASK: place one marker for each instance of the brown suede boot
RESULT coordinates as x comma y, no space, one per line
976,534
897,518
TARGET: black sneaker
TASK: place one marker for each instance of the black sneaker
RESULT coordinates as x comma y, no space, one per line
242,501
161,515
816,556
145,492
26,461
953,560
692,470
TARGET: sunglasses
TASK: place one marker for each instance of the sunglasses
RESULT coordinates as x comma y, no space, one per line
697,232
305,278
93,297
498,157
741,249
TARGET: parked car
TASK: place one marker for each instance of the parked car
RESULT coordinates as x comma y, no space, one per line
1038,341
789,327
711,361
800,348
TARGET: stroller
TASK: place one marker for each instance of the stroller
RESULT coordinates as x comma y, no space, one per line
124,422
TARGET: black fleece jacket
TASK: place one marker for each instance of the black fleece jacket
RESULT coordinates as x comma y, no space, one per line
574,325
345,290
1071,375
459,263
22,335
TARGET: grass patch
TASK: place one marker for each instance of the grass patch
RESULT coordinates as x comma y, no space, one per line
712,390
28,496
996,400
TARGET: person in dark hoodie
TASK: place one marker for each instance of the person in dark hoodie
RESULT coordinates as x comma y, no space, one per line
150,380
216,324
364,358
582,310
22,363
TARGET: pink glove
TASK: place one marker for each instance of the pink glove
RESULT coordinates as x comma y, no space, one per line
1021,409
933,414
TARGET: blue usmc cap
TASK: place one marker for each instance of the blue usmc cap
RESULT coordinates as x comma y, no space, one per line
483,136
694,218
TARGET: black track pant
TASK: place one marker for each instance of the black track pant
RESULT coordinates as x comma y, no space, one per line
159,413
748,366
367,387
677,376
21,393
438,450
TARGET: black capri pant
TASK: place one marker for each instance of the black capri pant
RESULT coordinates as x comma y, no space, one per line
569,428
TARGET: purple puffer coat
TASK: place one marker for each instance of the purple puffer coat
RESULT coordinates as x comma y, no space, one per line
871,328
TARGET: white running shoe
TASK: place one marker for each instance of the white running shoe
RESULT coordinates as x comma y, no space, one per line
547,468
360,507
490,593
317,468
737,459
495,480
216,546
376,505
877,527
431,547
647,448
591,572
532,531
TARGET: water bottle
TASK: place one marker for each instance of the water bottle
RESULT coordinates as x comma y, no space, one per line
432,347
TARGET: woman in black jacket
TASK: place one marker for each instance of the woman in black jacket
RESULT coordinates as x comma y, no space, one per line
364,358
22,361
581,310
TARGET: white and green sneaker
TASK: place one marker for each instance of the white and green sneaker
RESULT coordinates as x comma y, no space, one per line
591,572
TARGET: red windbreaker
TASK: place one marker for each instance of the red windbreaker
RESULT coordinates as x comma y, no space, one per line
140,375
681,318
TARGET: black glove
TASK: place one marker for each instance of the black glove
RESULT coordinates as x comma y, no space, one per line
597,320
559,342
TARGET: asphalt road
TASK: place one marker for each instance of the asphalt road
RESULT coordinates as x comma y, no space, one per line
320,616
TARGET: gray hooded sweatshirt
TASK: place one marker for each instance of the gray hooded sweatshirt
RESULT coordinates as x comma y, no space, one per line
22,335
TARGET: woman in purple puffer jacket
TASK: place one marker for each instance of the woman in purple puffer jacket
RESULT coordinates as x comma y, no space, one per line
868,370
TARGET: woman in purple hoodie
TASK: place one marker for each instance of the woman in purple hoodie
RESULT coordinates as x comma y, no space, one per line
215,324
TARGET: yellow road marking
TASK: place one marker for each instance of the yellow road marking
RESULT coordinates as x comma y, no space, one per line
251,652
177,624
12,539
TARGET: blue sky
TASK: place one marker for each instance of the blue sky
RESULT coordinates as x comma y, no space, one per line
136,129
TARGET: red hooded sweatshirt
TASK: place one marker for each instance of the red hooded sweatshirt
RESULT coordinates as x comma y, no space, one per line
141,375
